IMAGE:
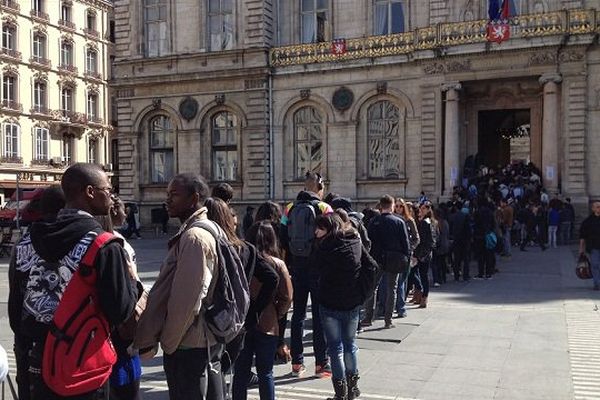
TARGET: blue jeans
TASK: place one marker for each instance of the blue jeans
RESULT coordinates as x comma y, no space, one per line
340,332
305,284
595,265
401,292
264,347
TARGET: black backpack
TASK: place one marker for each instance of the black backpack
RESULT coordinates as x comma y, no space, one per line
367,276
301,227
226,316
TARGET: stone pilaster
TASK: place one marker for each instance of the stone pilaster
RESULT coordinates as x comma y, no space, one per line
550,127
451,136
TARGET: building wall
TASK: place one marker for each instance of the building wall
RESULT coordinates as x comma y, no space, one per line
20,65
267,75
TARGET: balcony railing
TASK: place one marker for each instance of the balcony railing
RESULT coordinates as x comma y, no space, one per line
95,120
11,160
11,105
68,68
40,110
10,5
41,161
70,117
39,15
44,62
91,32
10,53
93,75
67,24
572,22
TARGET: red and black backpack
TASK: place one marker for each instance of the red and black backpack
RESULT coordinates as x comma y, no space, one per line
78,353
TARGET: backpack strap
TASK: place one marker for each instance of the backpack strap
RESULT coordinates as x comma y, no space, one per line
99,242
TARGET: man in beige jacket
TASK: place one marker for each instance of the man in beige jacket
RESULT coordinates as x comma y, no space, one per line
174,315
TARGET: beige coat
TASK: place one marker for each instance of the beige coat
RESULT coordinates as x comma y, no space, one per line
173,315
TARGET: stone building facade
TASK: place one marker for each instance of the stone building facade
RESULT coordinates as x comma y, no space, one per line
54,109
379,95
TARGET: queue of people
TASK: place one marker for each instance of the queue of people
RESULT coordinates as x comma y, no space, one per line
354,266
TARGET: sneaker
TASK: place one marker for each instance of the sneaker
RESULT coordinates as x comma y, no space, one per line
323,371
298,370
402,314
436,284
388,325
478,277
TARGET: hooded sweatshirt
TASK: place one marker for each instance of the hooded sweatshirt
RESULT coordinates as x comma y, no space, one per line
43,263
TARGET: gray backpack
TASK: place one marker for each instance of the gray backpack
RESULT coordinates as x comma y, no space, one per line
301,227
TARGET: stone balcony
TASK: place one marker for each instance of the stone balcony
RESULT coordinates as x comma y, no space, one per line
39,16
10,54
95,75
91,33
41,62
68,68
41,111
11,106
440,36
11,160
68,25
10,5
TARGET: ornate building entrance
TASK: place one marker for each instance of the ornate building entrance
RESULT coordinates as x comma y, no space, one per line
503,136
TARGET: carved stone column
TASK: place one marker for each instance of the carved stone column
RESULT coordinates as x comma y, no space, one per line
451,137
550,130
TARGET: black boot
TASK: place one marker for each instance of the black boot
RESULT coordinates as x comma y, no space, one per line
353,390
341,390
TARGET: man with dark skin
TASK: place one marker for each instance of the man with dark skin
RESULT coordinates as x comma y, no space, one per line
45,260
173,315
589,241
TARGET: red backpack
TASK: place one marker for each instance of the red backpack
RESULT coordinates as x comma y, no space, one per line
78,353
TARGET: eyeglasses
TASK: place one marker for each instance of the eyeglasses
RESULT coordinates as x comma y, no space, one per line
107,190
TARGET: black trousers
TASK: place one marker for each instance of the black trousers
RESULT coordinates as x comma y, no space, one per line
190,377
461,253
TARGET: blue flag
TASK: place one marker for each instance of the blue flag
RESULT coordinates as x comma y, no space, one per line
494,10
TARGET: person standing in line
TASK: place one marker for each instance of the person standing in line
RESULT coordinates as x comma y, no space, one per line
337,257
553,223
46,259
248,220
389,237
424,251
506,225
460,231
567,216
133,222
262,336
174,314
297,234
405,211
589,241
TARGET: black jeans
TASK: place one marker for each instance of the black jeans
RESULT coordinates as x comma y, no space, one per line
461,254
188,377
391,282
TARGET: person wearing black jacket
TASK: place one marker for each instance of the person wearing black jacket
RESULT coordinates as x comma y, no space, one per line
424,251
46,258
460,234
388,234
337,257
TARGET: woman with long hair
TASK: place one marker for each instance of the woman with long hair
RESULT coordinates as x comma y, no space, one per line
424,250
337,258
262,339
440,253
405,211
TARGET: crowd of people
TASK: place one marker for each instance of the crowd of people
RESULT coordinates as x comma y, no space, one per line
354,266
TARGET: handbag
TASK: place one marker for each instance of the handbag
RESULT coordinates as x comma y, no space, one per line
395,262
583,269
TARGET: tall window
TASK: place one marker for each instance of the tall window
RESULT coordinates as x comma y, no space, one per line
161,149
220,23
65,12
67,149
11,140
313,19
388,17
39,46
308,141
37,5
92,150
66,54
9,88
9,37
39,96
383,140
224,134
92,106
41,143
156,27
90,21
91,60
66,99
